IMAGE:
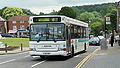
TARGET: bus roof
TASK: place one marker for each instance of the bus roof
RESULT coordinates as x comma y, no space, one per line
66,20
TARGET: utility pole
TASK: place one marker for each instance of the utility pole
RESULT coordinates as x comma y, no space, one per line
105,25
107,21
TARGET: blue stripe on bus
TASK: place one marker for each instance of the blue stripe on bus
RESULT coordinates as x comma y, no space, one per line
83,40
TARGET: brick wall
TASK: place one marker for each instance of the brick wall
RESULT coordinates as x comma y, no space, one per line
17,24
2,27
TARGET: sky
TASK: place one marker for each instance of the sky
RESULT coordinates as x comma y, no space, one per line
47,6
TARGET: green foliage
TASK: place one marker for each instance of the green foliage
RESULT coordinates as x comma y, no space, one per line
8,12
90,17
67,11
53,13
27,12
86,17
100,8
96,27
113,20
41,13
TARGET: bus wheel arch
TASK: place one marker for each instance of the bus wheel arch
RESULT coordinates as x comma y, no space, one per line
42,57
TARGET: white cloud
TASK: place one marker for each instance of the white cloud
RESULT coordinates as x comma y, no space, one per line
45,9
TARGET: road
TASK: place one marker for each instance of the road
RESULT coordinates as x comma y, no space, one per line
23,60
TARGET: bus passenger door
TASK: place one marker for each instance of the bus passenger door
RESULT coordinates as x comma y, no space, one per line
68,42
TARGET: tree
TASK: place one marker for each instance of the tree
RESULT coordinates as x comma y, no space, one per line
8,12
96,28
27,12
113,19
86,17
41,13
53,13
67,11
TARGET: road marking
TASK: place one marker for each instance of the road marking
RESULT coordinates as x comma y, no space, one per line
7,61
37,64
86,58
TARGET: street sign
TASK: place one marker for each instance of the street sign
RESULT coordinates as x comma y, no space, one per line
108,22
107,18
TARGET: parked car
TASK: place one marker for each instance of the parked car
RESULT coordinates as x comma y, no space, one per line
7,35
116,38
101,37
94,41
24,36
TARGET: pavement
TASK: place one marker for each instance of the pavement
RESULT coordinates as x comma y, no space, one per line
109,58
18,50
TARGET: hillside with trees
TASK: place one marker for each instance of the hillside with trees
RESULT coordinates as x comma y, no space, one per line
92,14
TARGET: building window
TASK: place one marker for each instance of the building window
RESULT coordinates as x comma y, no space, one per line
21,21
21,27
13,21
14,28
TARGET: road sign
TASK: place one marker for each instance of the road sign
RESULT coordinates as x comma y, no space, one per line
108,22
107,18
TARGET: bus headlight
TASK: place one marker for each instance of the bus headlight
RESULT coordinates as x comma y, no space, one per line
62,49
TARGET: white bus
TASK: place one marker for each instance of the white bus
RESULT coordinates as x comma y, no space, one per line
57,35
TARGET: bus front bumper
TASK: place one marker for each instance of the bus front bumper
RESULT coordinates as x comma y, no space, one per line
59,53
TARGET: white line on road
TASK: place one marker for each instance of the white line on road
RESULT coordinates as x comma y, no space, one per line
7,61
37,64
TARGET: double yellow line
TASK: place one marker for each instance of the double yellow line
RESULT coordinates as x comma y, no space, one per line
86,58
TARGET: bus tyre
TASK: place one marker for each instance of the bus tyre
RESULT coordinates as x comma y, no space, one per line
42,57
72,51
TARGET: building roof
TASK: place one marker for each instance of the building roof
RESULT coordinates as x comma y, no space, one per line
1,19
19,18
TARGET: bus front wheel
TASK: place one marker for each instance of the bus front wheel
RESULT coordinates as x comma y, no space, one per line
42,57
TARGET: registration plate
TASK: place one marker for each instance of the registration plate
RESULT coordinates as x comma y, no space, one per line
47,46
46,53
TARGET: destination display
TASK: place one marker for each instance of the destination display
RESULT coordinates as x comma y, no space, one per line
46,19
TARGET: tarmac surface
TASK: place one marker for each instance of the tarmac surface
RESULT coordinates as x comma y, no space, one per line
109,58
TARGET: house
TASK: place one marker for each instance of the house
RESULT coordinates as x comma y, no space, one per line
18,25
3,27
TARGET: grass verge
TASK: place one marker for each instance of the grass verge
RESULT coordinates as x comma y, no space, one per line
16,41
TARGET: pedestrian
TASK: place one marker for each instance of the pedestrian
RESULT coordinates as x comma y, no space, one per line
112,40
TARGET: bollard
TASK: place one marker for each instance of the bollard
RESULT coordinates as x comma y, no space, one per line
6,48
21,47
103,44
